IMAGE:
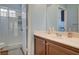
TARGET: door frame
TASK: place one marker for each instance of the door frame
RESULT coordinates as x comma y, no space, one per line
65,17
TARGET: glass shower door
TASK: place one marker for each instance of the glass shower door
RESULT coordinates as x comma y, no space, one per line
9,29
14,32
3,25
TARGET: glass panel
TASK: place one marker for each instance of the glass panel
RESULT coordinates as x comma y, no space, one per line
3,12
12,13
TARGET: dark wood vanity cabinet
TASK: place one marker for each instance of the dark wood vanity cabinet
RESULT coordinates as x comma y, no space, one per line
53,49
39,46
47,47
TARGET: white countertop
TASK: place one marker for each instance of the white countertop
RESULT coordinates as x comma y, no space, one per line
74,42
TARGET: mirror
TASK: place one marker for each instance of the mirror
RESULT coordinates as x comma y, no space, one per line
63,17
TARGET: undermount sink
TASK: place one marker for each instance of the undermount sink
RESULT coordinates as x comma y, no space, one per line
2,45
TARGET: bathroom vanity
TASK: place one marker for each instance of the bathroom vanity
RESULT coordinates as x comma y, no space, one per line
51,44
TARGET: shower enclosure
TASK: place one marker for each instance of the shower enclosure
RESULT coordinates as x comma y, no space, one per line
10,26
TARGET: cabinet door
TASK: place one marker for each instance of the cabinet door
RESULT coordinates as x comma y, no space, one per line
39,46
53,49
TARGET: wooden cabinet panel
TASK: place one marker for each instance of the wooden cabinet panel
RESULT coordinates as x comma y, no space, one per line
53,49
39,46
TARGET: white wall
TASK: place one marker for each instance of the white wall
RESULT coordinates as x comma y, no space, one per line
72,17
52,16
39,17
24,28
37,22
